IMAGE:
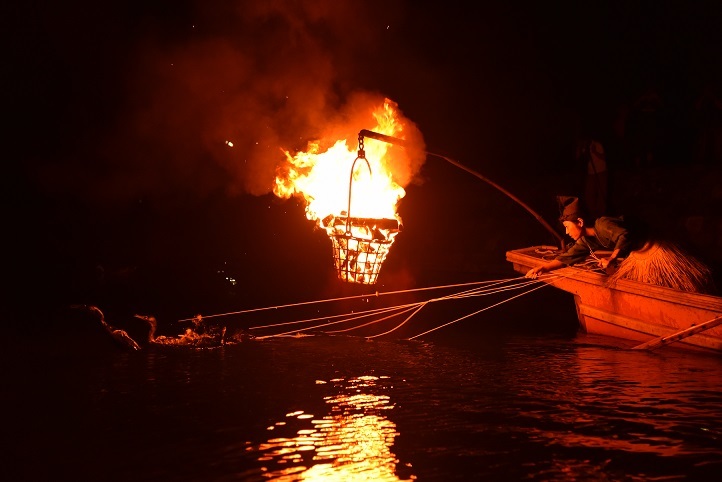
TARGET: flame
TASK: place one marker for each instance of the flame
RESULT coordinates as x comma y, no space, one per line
350,192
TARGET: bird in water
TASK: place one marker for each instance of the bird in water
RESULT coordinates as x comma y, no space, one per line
152,326
189,338
121,337
206,337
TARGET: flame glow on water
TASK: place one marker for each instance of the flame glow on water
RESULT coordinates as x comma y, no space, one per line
353,442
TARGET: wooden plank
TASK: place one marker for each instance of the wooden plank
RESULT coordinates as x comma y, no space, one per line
680,335
622,321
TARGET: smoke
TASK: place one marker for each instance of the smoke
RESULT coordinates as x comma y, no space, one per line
211,96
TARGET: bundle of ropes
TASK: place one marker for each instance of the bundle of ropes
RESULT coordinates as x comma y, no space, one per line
377,319
662,263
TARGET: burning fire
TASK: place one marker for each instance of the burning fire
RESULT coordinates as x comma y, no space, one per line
351,192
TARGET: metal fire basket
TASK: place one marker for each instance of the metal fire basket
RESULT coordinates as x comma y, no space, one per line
358,255
360,245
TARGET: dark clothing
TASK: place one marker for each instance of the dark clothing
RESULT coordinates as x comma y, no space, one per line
611,234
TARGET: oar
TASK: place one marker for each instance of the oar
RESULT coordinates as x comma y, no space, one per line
666,340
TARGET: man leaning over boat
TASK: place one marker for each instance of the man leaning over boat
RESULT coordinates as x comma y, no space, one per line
606,233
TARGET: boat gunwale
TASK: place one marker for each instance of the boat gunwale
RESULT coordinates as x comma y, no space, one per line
703,301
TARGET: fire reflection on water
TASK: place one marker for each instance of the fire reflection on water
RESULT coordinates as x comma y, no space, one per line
353,442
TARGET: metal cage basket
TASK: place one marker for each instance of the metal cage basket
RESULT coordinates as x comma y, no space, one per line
358,259
360,245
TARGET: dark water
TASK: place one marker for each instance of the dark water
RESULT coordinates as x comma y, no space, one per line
494,406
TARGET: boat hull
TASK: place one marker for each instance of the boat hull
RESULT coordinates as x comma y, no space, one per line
628,310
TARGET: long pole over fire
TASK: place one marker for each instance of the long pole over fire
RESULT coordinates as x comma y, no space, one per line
401,142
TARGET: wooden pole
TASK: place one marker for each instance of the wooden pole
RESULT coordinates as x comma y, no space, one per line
666,340
401,142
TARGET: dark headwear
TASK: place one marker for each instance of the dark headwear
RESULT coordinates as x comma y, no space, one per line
570,208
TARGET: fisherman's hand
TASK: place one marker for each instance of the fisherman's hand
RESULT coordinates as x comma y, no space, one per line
609,265
534,272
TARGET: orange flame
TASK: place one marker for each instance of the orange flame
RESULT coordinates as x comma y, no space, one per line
353,207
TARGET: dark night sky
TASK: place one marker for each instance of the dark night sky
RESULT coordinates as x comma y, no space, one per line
117,113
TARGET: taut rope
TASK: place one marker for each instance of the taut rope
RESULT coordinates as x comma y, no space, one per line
365,318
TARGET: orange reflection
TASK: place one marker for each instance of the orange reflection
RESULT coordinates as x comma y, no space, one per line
353,442
655,401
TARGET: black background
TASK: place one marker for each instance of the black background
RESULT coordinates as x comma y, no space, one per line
119,190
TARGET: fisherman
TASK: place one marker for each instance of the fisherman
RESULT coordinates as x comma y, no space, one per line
606,233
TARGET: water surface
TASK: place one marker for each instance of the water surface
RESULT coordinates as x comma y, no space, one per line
496,406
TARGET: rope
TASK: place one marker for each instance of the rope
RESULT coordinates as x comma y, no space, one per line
481,310
492,287
360,314
407,309
362,319
460,295
364,314
421,305
304,303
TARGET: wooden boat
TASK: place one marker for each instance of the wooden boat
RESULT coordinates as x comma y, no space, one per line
630,310
652,315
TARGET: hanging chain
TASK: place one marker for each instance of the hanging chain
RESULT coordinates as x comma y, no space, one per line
361,155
